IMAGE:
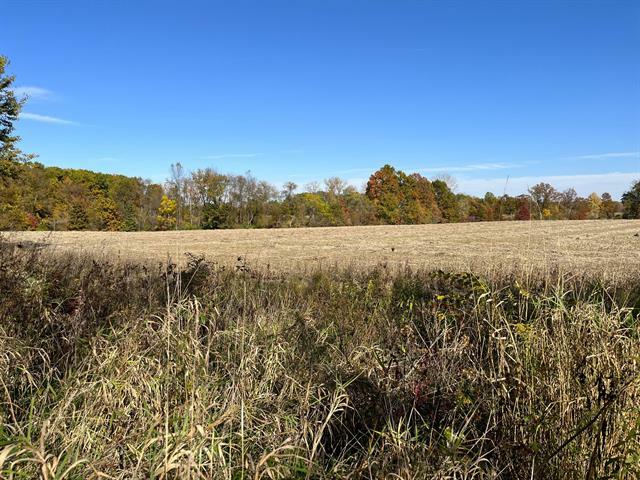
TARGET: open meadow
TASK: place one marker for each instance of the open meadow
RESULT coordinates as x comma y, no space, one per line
605,247
328,364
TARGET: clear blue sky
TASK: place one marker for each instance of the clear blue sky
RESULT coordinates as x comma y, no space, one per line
302,90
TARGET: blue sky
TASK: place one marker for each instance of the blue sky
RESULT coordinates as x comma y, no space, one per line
303,90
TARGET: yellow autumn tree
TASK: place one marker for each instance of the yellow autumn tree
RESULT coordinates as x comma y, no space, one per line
166,219
595,204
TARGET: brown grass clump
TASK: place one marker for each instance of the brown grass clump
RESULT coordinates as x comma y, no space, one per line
131,371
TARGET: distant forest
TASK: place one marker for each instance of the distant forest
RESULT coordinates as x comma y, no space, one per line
50,198
35,197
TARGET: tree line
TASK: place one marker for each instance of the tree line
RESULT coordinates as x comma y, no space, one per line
50,198
33,196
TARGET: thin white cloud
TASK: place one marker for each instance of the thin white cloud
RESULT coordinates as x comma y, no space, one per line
46,119
469,168
602,156
33,92
232,155
613,182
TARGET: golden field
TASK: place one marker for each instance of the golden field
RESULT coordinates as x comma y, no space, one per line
129,370
579,246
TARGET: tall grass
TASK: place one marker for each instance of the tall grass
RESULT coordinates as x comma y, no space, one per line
113,370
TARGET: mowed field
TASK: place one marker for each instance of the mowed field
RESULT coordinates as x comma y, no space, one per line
590,246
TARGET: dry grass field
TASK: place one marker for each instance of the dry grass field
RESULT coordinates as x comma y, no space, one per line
130,370
578,246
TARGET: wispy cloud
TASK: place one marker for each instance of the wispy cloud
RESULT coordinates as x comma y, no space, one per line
33,92
469,168
602,156
36,117
232,155
613,182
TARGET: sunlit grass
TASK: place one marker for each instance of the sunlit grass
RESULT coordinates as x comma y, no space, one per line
111,370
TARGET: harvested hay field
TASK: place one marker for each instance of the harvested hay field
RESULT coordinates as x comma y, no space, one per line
601,246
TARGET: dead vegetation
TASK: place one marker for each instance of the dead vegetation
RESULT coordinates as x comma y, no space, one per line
112,369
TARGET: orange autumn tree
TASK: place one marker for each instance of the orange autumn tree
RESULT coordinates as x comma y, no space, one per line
383,189
420,200
401,198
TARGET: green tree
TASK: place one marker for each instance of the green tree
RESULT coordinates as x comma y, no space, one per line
447,201
317,210
208,188
214,215
129,221
10,107
12,213
78,218
334,196
631,201
150,203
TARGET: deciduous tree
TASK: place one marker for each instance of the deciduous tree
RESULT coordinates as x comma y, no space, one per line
542,196
383,189
166,219
447,201
609,206
595,205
